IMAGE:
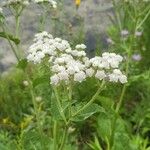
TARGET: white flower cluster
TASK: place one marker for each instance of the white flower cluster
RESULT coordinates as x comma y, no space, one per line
105,67
73,65
14,2
52,2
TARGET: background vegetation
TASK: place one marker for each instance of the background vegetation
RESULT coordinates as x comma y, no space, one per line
123,126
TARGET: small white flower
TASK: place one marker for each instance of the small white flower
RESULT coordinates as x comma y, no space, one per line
80,76
38,98
26,83
110,41
100,75
117,76
71,70
63,75
13,2
68,50
81,54
123,79
54,79
80,46
90,72
26,3
138,33
136,57
124,32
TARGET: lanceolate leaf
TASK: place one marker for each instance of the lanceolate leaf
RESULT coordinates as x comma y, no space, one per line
54,108
10,37
41,80
22,64
92,109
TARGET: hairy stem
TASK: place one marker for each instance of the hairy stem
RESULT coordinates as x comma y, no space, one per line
63,139
70,99
59,105
55,135
11,45
37,115
91,101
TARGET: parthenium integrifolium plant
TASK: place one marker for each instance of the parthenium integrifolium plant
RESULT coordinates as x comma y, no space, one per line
70,66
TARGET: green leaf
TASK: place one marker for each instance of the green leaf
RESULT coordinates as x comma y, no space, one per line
106,102
10,37
95,145
2,18
104,126
41,80
135,78
86,113
122,142
54,108
22,64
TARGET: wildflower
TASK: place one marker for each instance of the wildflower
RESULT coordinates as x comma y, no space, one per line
90,72
77,2
136,57
26,83
63,75
71,129
80,46
67,64
124,33
38,98
117,76
138,33
110,41
5,120
80,76
15,2
100,74
54,79
52,2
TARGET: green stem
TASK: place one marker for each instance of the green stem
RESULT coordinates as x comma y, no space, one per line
63,139
117,15
55,135
17,32
91,101
43,18
17,18
37,115
141,23
108,144
11,45
119,104
59,105
70,99
121,99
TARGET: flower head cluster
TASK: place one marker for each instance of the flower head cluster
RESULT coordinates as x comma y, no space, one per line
14,2
52,2
69,64
104,67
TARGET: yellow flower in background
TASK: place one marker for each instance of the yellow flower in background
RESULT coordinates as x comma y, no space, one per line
5,120
77,2
26,121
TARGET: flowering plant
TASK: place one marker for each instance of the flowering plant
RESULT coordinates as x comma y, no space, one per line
71,66
58,98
